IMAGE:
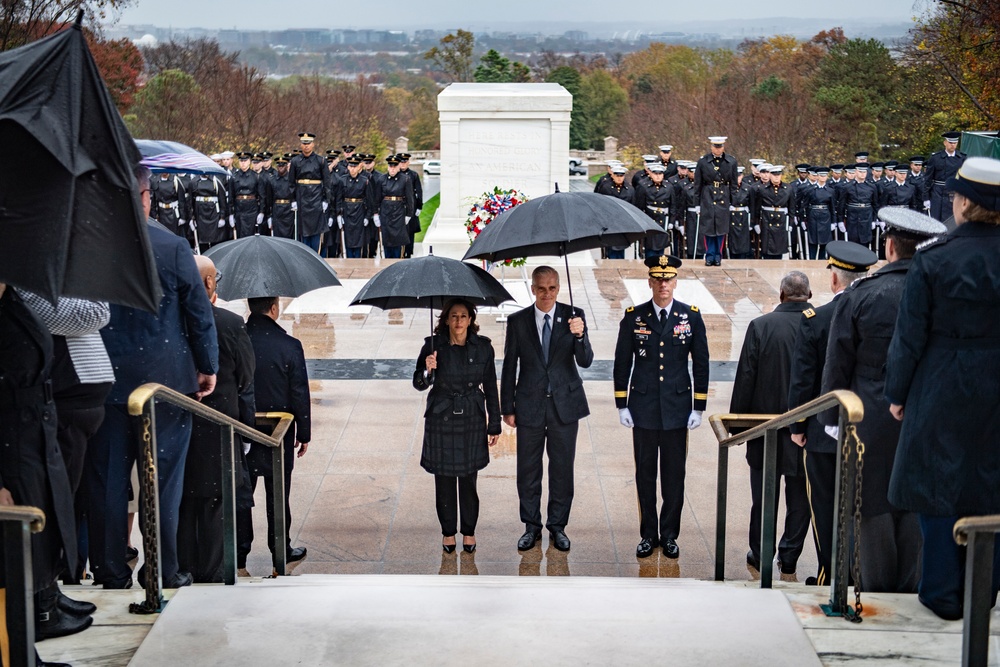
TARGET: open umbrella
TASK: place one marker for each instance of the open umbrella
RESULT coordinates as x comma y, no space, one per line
71,220
175,158
428,282
257,266
560,224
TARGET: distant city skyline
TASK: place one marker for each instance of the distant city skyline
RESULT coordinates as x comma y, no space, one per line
549,17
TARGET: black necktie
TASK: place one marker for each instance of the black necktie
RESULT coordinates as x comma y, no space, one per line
546,339
663,317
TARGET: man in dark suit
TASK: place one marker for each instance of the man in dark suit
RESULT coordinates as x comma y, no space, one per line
545,401
199,536
761,387
178,348
280,385
653,395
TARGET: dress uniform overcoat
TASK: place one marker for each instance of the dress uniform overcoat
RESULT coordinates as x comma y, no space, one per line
169,203
938,168
393,201
774,205
281,194
355,205
247,192
686,218
311,178
857,207
651,375
715,179
210,205
656,201
739,220
905,194
463,405
942,367
625,193
820,207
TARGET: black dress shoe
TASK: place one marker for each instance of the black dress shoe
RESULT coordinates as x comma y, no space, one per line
558,539
53,623
753,561
178,580
528,540
645,548
295,558
812,581
670,548
75,607
131,553
785,569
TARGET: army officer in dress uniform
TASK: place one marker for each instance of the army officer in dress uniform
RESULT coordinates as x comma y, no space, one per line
311,178
280,197
354,208
393,206
715,179
654,398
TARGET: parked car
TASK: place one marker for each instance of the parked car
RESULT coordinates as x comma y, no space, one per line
432,167
577,167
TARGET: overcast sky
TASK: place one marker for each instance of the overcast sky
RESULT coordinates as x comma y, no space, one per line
411,15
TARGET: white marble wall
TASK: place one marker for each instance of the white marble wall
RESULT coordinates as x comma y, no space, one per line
511,135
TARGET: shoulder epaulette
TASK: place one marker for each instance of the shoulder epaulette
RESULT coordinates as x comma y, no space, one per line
934,241
809,312
630,309
694,309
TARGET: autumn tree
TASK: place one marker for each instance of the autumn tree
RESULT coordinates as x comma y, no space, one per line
120,64
170,106
454,55
23,21
495,68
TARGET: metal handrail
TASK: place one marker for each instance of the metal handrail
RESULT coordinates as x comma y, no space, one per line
978,533
141,405
851,412
19,522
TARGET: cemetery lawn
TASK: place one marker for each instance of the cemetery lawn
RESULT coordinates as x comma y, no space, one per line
426,215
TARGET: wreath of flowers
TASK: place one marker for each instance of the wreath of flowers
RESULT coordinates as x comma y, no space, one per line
488,206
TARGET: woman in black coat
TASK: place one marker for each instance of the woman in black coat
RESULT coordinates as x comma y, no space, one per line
462,419
943,383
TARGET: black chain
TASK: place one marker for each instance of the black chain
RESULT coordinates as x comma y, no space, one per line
147,480
854,615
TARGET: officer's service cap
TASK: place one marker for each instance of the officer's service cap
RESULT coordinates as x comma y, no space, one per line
683,164
851,168
878,166
404,157
666,148
354,159
765,167
367,157
861,154
802,168
952,137
978,179
612,163
257,157
664,266
822,171
836,168
861,166
777,168
281,159
891,164
650,158
906,222
267,155
306,137
849,256
392,160
619,170
740,170
813,170
917,159
657,168
333,152
902,169
757,161
348,148
330,158
244,155
717,141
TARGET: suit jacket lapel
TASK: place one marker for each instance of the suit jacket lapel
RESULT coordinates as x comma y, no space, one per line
652,315
532,333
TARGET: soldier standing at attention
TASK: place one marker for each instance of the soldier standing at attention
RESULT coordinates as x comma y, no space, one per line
655,198
739,219
413,227
310,176
281,196
941,166
669,164
209,208
617,187
774,202
348,153
820,207
654,398
354,209
393,206
714,181
246,193
170,204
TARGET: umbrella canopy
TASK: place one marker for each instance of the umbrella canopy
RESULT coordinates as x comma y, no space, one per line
173,158
71,220
428,282
268,266
560,224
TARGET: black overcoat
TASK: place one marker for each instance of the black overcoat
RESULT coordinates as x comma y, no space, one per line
944,368
739,220
463,405
763,377
807,373
715,179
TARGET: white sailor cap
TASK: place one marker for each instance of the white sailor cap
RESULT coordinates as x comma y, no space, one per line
215,156
227,154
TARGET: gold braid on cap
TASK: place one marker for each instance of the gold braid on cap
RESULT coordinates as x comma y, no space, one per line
843,265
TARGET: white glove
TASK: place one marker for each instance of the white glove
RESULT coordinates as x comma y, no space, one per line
833,226
366,222
270,223
193,225
874,224
329,222
325,205
803,225
340,221
232,221
417,213
625,417
181,222
295,206
832,431
378,220
697,209
881,225
927,203
222,223
260,218
841,227
407,219
694,420
756,229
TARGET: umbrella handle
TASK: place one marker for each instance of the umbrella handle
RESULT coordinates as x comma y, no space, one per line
569,281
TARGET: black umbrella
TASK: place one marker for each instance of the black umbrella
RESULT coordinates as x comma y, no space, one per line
428,282
71,221
269,266
175,158
560,224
